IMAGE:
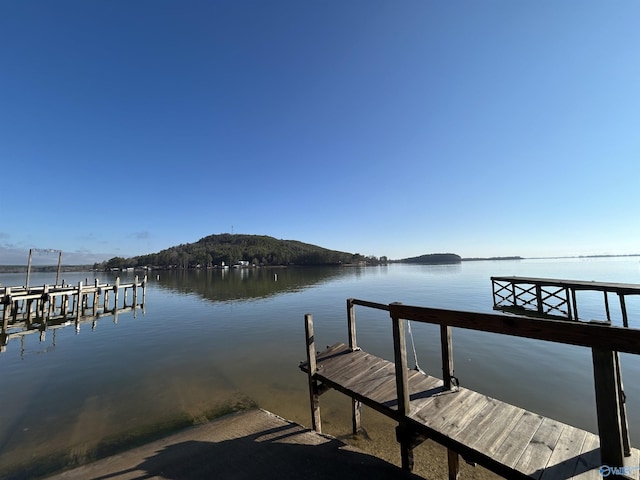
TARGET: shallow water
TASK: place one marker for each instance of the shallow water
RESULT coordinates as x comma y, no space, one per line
211,341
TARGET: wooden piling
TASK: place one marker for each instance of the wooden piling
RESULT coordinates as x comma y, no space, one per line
623,310
446,345
116,288
96,296
314,395
79,301
351,324
608,407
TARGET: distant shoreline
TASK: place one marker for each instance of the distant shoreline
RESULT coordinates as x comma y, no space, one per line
87,268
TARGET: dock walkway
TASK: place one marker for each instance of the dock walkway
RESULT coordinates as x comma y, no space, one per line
504,438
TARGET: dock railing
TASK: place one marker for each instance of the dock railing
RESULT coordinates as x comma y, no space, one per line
555,298
604,340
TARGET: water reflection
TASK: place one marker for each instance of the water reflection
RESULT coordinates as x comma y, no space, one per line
243,284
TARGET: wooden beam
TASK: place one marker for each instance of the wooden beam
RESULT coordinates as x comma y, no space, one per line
592,334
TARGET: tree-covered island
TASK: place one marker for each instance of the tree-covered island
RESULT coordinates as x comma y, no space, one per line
234,249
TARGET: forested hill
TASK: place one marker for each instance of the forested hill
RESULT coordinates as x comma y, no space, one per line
434,259
231,249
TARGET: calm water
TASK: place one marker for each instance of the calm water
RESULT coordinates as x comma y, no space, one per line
210,341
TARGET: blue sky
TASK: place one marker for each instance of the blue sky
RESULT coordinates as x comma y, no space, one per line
481,128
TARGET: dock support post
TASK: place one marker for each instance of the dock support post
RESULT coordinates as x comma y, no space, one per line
356,416
575,306
135,292
43,303
79,303
626,442
144,291
6,305
453,461
314,394
402,389
356,406
493,293
96,296
4,336
606,306
115,294
539,300
623,310
607,389
351,323
447,355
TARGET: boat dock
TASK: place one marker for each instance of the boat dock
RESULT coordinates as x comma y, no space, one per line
506,439
553,298
26,310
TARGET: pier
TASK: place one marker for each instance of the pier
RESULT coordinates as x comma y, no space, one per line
26,309
506,439
553,298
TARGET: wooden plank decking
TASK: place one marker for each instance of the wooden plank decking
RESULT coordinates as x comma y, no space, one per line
507,439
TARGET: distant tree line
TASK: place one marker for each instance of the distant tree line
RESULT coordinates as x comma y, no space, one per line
229,249
434,259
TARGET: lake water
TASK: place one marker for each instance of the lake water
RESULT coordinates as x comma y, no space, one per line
212,341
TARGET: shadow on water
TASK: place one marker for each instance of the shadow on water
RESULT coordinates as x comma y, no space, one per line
244,284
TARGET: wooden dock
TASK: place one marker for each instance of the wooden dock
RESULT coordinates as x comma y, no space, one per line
28,310
554,298
504,438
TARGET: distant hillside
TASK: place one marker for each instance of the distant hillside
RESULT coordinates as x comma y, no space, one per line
231,249
434,259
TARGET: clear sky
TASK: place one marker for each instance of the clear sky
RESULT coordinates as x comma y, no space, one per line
394,128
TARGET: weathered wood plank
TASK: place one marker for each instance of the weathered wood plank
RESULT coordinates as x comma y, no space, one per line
633,462
341,368
505,419
364,382
537,454
564,458
589,462
485,417
517,440
380,381
443,405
